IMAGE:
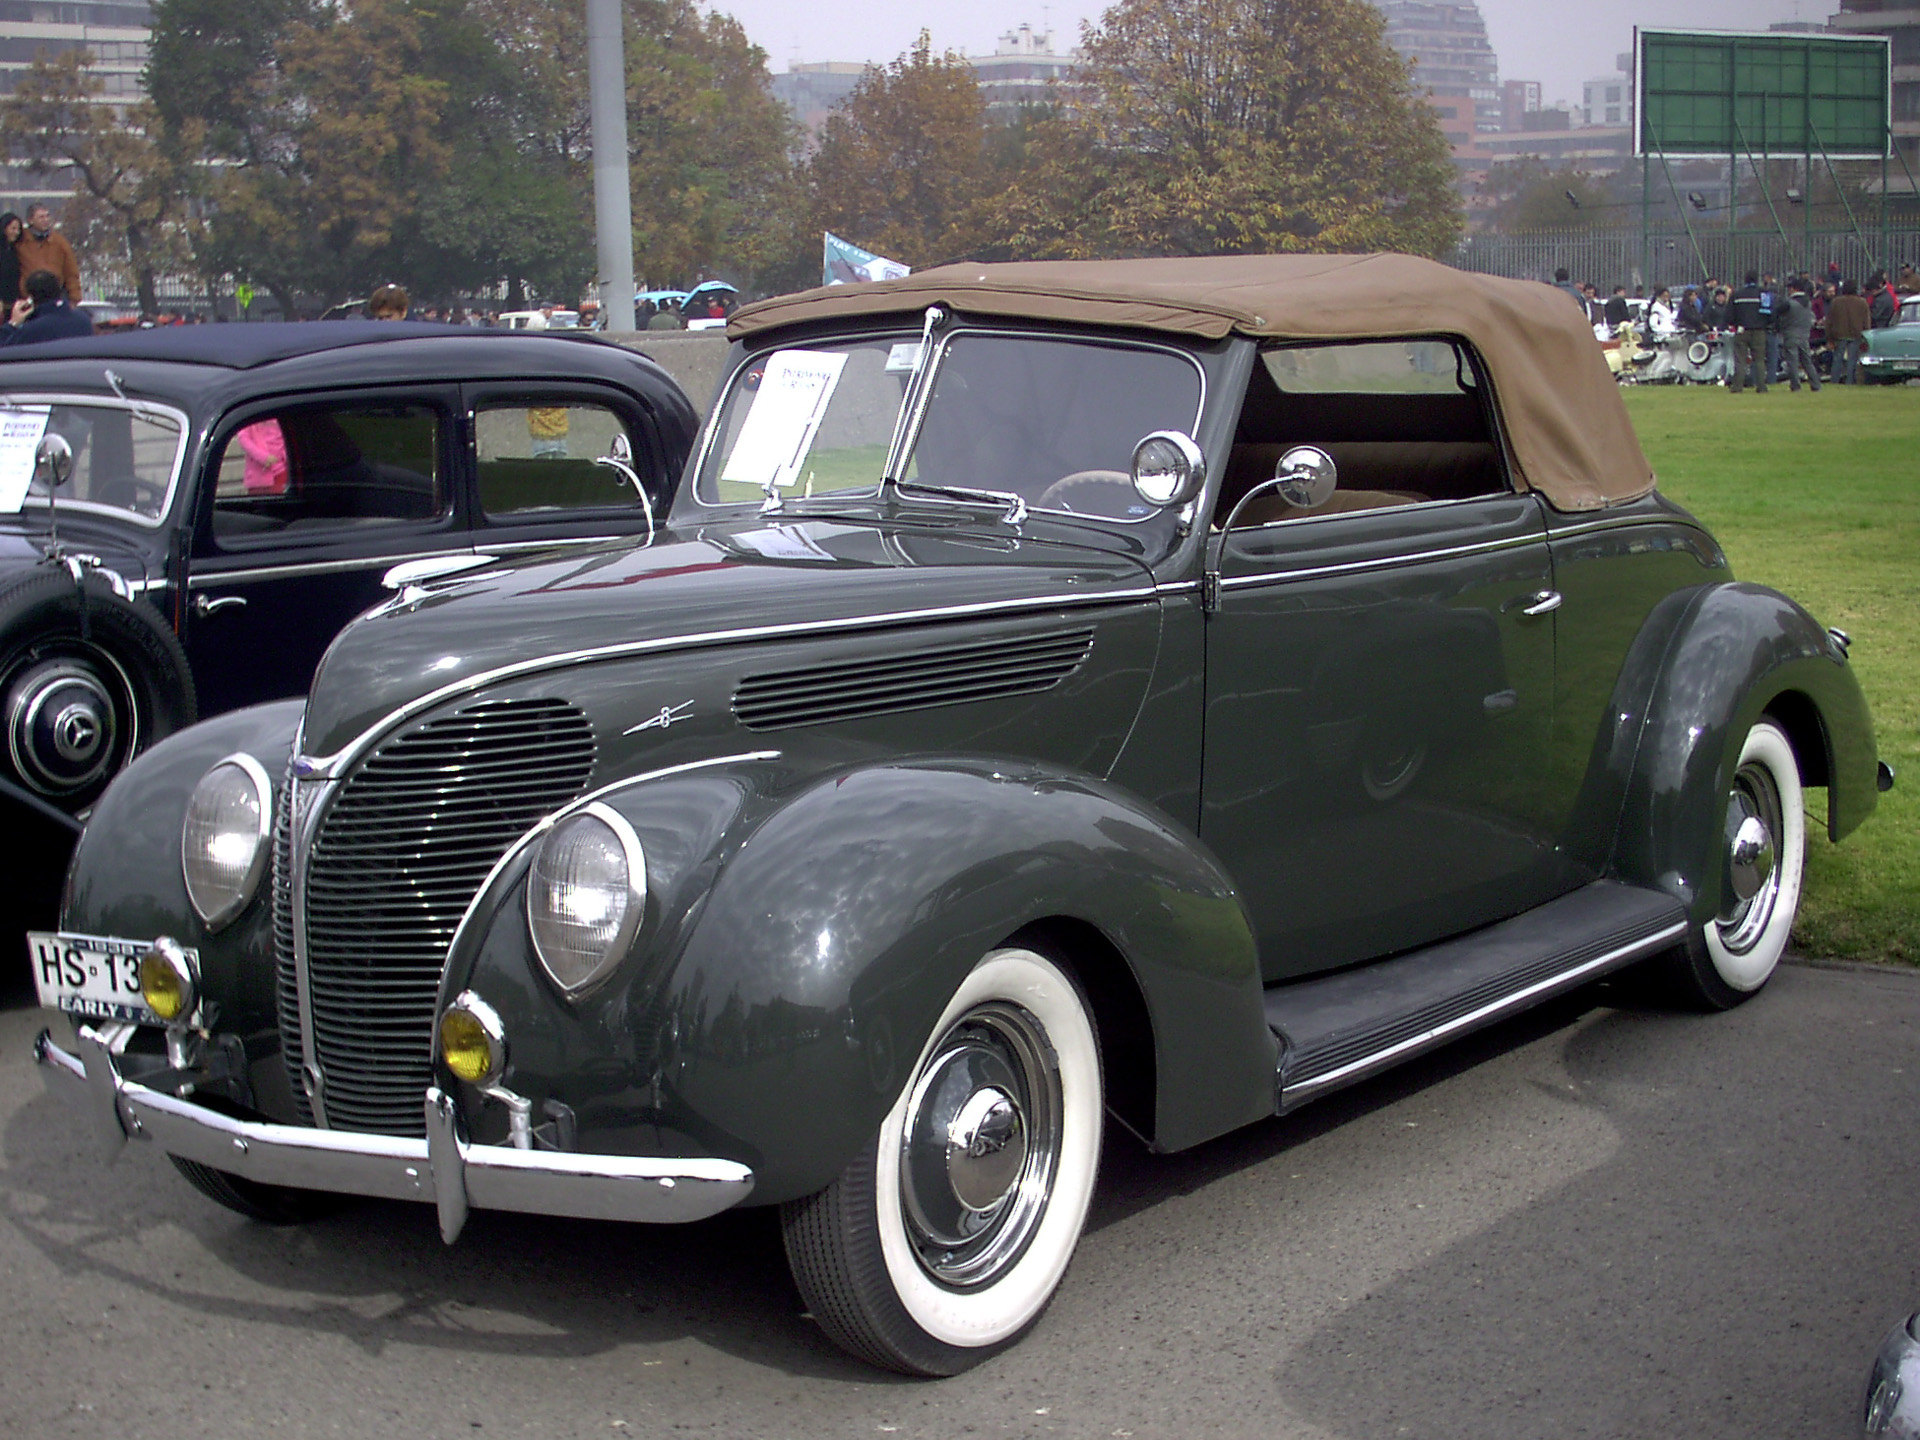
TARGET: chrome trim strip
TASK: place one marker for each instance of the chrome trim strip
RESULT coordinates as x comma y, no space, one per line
324,766
1380,1059
1385,562
199,579
484,894
135,407
452,1173
315,793
1177,587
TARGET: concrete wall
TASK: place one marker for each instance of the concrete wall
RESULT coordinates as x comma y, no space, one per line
696,359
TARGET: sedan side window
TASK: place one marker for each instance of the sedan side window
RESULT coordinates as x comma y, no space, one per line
330,467
557,457
1404,421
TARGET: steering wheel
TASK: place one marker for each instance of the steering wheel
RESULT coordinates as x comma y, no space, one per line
1107,493
132,493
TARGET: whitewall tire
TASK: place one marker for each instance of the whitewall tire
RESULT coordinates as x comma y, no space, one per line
944,1241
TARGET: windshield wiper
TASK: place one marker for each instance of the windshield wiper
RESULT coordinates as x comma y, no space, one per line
1016,505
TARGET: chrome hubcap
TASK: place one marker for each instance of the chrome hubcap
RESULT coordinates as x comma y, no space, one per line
980,1145
61,732
1751,879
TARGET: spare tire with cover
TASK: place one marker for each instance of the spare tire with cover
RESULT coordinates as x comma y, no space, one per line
88,679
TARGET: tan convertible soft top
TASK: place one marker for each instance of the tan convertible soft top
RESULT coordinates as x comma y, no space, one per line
1569,432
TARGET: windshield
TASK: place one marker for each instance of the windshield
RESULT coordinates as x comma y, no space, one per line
1053,421
124,459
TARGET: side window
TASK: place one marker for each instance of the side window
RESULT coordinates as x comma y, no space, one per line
316,468
569,455
1405,422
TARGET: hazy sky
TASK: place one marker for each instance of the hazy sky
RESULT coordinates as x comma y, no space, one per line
1557,42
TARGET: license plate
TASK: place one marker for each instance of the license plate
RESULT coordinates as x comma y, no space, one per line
92,975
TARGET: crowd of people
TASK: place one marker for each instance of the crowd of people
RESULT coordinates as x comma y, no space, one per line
1780,329
40,296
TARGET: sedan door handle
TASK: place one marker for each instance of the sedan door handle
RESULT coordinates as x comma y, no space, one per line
205,605
1543,602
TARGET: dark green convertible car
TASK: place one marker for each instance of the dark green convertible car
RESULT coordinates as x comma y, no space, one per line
1154,693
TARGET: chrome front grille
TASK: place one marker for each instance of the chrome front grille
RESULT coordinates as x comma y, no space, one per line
398,856
293,1048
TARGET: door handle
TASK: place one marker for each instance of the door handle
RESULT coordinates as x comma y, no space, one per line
205,605
1543,602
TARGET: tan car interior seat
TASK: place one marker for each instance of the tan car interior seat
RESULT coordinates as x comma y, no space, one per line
1373,475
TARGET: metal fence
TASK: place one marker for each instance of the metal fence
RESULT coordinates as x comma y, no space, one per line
1631,257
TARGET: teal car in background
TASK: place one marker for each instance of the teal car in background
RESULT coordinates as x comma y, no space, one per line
1892,355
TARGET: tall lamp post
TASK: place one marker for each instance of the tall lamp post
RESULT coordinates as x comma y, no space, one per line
612,199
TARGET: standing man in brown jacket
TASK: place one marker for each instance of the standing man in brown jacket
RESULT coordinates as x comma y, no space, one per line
42,247
1846,323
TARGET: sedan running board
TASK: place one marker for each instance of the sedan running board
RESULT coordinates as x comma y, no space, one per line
1340,1028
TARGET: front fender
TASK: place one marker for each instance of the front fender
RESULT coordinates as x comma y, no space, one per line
1726,655
799,954
125,877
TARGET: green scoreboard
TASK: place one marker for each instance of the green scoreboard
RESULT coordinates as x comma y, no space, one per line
1703,92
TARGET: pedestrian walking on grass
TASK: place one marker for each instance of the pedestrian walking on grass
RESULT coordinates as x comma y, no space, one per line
1847,320
1796,336
1751,322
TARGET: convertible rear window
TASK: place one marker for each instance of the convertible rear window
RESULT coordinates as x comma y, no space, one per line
125,457
1054,421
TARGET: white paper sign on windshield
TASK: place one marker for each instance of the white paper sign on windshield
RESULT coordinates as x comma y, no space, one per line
795,389
20,430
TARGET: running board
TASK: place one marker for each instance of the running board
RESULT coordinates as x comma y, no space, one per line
1343,1027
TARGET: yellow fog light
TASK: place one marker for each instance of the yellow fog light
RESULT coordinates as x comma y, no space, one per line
166,980
473,1042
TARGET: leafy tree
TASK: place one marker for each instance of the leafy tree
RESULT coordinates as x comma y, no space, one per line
203,60
1219,126
129,213
711,148
1529,194
342,137
903,166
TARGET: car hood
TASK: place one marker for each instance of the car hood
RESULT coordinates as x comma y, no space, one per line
720,584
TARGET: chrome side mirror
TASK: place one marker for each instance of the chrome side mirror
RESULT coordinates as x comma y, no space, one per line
53,461
621,449
1168,468
1306,477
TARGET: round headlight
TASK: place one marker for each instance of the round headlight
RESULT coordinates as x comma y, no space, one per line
167,981
1168,468
586,895
223,844
473,1042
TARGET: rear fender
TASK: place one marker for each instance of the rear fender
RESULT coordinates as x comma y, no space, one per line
1717,660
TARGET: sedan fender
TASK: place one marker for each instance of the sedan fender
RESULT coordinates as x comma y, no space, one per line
1712,662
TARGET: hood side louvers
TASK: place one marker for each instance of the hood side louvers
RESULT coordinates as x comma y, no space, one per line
950,675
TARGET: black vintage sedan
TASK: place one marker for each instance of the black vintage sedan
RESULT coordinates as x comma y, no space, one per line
1155,692
232,495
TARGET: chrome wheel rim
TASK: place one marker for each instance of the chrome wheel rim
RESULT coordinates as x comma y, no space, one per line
980,1146
1750,879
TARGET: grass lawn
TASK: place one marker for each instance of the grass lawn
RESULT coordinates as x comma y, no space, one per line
1819,496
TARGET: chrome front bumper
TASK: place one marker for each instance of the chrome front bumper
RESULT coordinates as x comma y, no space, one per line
443,1169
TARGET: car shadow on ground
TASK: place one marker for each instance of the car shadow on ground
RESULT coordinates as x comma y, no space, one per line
1714,1276
376,1273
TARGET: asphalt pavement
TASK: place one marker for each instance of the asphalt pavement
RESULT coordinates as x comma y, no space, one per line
1598,1220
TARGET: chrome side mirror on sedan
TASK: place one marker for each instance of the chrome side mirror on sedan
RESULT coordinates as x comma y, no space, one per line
53,461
